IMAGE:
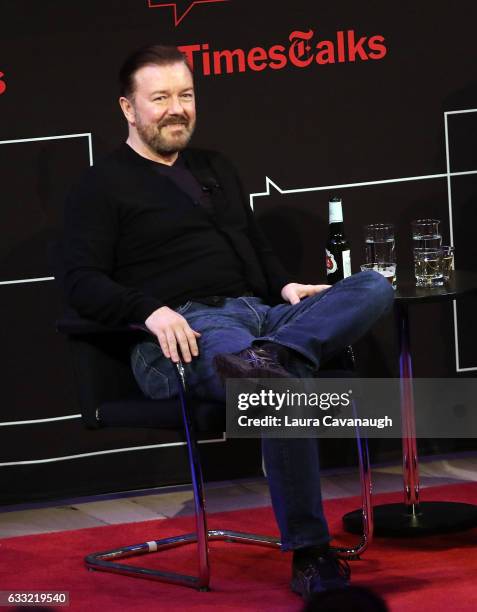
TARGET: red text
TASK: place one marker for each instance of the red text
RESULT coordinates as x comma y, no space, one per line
300,51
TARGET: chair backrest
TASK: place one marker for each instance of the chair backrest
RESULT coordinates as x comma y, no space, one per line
100,360
102,372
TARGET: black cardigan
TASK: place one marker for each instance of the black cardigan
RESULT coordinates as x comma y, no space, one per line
135,242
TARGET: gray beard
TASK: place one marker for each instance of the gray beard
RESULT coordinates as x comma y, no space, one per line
152,136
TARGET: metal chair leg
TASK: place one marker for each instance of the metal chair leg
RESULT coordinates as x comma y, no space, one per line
349,363
366,500
366,503
197,484
107,561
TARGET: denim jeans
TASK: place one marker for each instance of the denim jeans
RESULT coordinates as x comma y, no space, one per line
317,328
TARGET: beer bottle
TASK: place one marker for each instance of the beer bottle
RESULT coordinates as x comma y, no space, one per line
338,258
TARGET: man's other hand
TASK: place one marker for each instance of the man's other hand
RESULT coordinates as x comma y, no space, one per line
174,334
294,292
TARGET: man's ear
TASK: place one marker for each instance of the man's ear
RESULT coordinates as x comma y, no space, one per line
128,109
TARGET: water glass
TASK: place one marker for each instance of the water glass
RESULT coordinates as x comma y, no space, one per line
387,269
447,261
379,241
428,268
425,235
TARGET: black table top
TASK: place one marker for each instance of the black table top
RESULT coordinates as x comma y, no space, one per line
461,283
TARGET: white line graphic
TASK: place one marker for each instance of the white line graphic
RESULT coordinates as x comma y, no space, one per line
107,452
449,195
87,135
271,184
28,280
461,112
36,421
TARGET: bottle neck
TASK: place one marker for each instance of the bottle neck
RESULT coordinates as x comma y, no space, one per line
335,212
336,228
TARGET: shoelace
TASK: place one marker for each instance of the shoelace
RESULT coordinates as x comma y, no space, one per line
259,357
341,565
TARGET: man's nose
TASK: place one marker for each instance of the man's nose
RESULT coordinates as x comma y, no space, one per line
175,106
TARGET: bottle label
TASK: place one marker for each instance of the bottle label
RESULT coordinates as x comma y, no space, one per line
336,212
331,265
346,263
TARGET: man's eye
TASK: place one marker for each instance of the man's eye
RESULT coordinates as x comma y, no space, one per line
187,96
159,99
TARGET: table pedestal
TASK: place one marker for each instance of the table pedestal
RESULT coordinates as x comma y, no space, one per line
412,517
432,517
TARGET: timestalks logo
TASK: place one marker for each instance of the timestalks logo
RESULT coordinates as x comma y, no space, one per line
300,52
3,85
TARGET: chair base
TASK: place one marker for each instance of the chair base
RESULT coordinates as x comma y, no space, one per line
106,561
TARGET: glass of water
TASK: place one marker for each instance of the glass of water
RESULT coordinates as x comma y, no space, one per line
428,267
386,269
379,241
425,235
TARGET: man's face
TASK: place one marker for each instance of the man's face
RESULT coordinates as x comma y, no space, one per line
164,107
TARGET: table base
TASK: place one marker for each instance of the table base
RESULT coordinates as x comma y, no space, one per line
432,517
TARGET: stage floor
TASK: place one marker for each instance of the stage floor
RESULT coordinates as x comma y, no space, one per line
165,502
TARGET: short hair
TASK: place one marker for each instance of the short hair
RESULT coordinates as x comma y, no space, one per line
160,55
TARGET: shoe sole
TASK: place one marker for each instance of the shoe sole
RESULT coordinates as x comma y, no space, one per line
295,587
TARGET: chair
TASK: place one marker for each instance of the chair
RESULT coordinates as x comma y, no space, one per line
110,397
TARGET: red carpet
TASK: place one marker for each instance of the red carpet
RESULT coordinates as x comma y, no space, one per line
430,574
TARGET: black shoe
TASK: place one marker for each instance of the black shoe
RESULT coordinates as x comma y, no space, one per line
323,573
256,362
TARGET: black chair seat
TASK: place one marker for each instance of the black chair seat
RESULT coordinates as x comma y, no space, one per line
135,410
138,411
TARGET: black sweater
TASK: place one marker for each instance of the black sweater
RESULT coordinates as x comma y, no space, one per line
134,241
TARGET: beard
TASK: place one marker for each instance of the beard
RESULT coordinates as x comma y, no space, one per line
163,139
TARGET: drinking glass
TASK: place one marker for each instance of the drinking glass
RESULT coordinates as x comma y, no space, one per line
428,267
379,241
387,269
425,235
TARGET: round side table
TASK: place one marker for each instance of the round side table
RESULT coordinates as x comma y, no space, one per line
414,517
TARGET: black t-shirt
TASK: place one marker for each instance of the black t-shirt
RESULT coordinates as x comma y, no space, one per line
180,174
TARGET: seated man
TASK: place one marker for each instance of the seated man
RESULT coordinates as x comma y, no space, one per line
161,234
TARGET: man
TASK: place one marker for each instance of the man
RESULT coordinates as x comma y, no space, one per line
161,234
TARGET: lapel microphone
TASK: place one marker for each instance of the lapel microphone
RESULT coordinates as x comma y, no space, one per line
209,183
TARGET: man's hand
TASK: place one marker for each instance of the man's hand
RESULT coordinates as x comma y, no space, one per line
173,333
294,292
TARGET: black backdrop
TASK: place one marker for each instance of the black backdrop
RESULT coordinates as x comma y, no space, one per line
302,119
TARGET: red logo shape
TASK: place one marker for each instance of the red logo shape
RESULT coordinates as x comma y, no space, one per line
181,7
3,85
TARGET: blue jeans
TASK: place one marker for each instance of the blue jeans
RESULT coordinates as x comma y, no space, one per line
317,328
